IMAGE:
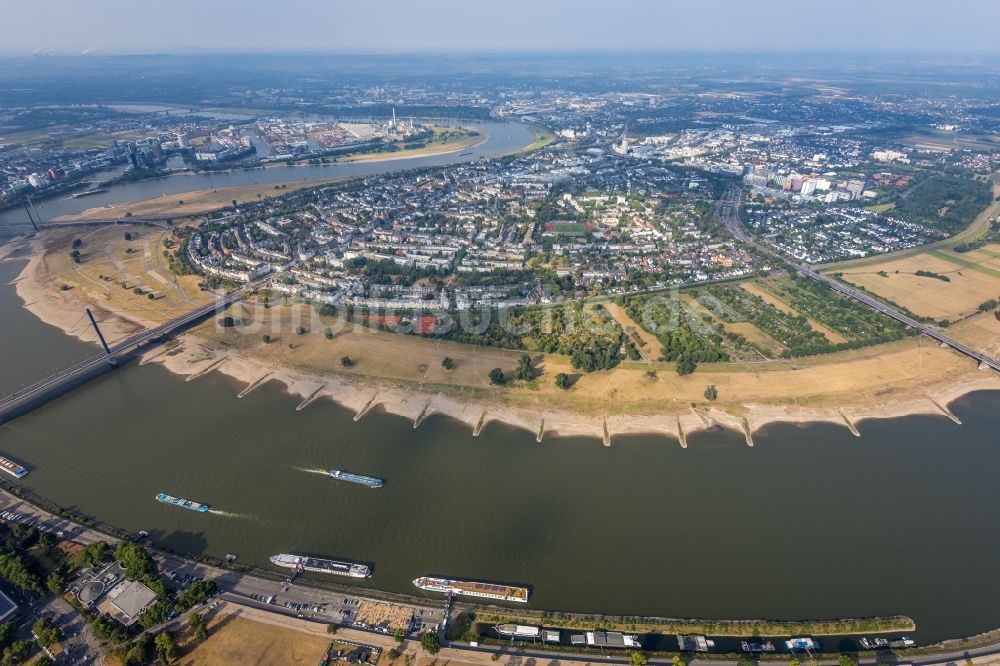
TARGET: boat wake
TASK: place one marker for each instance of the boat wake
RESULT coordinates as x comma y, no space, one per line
227,514
313,470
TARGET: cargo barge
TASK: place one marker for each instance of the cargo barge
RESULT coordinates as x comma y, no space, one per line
360,479
87,193
12,468
473,589
190,505
320,565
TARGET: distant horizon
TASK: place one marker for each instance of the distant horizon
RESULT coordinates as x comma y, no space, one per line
613,52
124,27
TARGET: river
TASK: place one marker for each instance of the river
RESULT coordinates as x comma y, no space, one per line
502,138
811,523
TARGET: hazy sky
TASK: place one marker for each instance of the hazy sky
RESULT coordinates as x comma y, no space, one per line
115,26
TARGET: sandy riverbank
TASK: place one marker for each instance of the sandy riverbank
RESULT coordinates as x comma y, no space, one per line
674,417
429,151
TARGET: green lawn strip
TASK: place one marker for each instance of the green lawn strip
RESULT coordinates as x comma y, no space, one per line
964,262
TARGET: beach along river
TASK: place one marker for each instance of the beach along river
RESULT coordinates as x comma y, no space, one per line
501,139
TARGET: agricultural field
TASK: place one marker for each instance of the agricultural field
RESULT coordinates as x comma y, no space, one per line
766,290
801,316
952,285
940,140
840,317
743,340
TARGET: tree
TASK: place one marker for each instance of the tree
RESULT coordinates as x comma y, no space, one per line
430,642
562,381
75,255
197,623
137,562
128,235
43,660
300,330
16,652
90,555
524,371
156,614
346,361
46,633
677,661
637,658
166,648
328,333
55,582
266,339
496,376
77,242
448,363
711,393
685,366
331,628
398,635
227,322
846,660
15,571
197,593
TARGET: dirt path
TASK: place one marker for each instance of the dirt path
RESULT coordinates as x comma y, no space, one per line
650,347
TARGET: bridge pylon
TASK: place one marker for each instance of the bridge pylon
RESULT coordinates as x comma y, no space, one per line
100,336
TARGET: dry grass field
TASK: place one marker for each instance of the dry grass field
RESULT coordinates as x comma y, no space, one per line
112,268
756,336
649,347
902,369
981,331
897,281
237,640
